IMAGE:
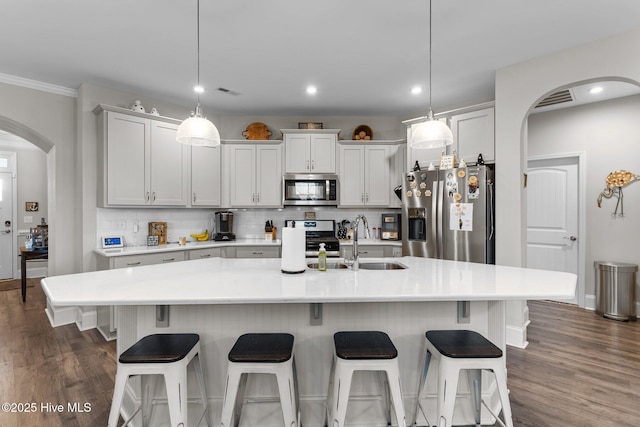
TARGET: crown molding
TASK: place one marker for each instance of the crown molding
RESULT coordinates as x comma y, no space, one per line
37,85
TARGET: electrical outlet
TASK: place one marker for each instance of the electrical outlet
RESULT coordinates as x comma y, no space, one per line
28,219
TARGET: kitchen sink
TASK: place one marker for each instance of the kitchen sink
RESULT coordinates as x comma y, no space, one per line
330,265
382,266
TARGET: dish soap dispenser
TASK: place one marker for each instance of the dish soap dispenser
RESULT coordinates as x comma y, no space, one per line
322,258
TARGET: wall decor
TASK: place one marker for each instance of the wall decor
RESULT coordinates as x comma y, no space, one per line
615,182
31,206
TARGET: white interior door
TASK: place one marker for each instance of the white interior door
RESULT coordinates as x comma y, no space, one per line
552,216
6,226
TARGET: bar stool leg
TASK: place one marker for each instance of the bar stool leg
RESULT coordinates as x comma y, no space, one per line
474,377
341,389
118,397
286,388
393,376
501,381
234,379
423,379
203,391
383,379
447,390
177,396
147,391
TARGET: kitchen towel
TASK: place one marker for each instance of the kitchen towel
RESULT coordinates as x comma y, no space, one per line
293,248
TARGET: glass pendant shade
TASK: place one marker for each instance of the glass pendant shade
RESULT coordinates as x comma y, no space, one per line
431,134
198,130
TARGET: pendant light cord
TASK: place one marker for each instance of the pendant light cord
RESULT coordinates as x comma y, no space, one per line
198,49
430,72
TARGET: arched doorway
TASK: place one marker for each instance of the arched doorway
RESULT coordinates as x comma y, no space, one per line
26,173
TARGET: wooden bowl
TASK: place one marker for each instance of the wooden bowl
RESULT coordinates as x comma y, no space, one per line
362,133
257,131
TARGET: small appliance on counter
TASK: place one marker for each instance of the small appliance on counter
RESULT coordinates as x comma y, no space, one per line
391,227
293,241
224,226
318,231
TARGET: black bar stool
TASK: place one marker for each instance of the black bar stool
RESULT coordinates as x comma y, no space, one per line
160,354
363,351
262,353
456,350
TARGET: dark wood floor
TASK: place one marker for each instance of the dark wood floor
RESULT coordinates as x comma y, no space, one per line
579,369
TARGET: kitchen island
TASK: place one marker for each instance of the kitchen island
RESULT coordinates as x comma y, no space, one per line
220,299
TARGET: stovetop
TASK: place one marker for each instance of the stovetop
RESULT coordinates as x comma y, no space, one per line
319,231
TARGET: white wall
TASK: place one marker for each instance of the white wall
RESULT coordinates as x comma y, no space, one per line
518,89
608,132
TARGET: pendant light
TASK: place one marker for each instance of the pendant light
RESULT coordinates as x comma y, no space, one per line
197,129
431,133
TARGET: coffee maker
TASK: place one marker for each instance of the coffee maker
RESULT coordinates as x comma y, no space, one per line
224,226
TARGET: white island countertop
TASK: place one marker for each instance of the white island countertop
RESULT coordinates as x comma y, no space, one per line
260,281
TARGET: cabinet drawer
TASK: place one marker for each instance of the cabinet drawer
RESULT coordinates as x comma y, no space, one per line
205,253
257,252
150,259
364,252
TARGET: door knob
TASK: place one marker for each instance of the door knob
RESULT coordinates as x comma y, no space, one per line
572,238
7,231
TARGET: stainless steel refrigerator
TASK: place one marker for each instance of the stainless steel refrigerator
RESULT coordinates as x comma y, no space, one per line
449,214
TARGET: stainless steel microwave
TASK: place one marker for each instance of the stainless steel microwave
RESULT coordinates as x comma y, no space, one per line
310,190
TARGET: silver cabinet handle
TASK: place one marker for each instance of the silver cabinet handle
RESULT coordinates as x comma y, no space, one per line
362,197
572,238
134,263
313,164
253,197
194,197
146,197
168,259
367,197
258,197
257,253
205,256
154,197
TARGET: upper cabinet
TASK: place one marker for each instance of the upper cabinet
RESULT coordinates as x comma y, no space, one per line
369,173
310,151
205,176
253,175
473,134
142,164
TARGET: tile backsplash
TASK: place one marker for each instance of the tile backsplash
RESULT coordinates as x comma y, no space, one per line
132,224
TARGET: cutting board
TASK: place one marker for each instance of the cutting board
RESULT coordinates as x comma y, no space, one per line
257,131
159,229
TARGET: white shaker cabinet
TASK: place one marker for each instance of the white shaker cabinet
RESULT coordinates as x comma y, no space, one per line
364,175
473,134
254,175
310,151
205,176
142,165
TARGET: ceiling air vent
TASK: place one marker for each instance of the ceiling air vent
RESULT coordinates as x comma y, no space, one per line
228,91
556,98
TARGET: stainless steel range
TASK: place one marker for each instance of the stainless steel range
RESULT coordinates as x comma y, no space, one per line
319,231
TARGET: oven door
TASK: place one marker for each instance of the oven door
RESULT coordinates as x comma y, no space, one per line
309,190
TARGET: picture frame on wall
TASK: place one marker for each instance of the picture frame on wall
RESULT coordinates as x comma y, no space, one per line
31,206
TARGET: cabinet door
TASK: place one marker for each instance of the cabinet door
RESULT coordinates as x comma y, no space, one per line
269,175
323,153
473,133
205,176
169,166
257,252
351,175
242,175
377,163
396,174
127,149
205,253
297,154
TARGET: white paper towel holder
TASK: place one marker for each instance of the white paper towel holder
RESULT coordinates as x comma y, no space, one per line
293,250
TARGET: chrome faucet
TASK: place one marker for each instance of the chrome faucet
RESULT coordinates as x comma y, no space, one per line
355,262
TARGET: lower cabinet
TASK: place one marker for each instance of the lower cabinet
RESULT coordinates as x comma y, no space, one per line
372,251
204,253
253,252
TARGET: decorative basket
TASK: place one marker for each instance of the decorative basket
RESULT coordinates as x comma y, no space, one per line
363,133
257,131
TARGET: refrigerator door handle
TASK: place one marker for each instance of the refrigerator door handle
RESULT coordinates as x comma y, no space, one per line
438,219
491,213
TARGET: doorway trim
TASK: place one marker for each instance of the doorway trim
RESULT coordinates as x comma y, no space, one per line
581,158
13,170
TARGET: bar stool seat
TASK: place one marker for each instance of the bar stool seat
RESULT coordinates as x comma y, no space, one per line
160,354
363,351
456,350
262,353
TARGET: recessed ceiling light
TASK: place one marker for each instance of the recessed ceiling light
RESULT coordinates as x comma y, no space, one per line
596,89
312,90
198,89
416,90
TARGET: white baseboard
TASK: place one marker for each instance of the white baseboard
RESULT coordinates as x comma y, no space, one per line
516,336
59,316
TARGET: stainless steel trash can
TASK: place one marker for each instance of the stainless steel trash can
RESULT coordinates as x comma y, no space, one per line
616,290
